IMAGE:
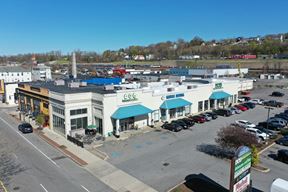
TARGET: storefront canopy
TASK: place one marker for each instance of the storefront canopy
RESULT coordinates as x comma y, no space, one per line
219,95
174,103
130,111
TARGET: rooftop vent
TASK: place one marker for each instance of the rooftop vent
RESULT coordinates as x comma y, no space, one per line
59,82
74,84
109,87
170,89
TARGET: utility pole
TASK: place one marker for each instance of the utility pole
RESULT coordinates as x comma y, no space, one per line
269,108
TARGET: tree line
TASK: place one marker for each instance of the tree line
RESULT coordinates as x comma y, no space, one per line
213,49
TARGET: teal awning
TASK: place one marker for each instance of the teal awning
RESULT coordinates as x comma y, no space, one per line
174,103
130,111
219,95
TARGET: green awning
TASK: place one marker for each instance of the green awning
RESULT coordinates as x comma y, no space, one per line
130,111
219,95
91,127
174,103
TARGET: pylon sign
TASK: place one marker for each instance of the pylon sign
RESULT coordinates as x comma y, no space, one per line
240,170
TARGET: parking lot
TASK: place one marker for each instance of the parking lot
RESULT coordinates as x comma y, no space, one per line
163,159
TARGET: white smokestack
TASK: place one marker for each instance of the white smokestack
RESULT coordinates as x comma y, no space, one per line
74,69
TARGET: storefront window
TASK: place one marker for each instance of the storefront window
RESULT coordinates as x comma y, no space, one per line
235,98
187,110
212,104
200,106
78,111
206,105
79,123
180,111
156,116
58,124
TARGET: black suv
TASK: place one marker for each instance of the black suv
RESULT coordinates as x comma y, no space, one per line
273,103
282,155
172,127
212,114
25,128
223,112
181,123
277,94
188,121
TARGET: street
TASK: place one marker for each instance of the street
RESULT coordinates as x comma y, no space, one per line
30,164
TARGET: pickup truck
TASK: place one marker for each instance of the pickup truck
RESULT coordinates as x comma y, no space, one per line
273,103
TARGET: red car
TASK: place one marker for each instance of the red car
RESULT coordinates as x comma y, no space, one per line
241,107
198,119
245,92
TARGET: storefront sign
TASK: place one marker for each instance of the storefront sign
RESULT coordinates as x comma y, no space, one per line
240,170
129,97
218,86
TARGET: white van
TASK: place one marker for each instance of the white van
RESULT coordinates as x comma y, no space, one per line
279,185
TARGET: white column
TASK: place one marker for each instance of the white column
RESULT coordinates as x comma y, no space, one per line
167,115
176,113
149,119
215,104
117,127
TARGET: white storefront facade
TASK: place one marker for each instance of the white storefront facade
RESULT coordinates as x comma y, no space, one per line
121,110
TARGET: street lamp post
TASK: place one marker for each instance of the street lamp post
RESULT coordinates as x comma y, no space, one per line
269,108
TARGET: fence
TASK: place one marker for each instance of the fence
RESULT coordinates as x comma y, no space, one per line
75,141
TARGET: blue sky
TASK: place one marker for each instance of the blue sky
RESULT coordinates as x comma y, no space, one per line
92,25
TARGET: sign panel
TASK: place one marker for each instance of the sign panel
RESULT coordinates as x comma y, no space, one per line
240,170
218,86
129,97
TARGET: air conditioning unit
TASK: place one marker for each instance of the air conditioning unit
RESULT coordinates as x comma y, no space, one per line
59,82
170,89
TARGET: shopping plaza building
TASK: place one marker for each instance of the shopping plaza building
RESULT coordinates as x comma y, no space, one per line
112,109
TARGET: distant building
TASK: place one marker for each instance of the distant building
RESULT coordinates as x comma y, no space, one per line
139,58
189,57
41,73
208,73
15,74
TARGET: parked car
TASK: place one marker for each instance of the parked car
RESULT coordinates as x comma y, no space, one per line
199,119
181,123
212,114
240,99
244,92
286,111
172,127
282,116
223,112
270,125
272,134
257,101
282,141
244,98
277,121
245,124
206,116
25,128
282,155
277,94
241,107
249,105
188,121
259,134
235,110
273,103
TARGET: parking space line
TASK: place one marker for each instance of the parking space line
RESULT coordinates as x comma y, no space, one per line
85,188
43,188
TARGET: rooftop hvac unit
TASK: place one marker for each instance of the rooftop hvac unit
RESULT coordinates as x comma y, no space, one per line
59,82
170,89
109,87
83,84
73,84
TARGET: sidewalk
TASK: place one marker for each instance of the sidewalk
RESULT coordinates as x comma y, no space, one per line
115,178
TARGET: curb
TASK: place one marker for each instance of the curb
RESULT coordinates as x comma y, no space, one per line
2,187
102,155
259,153
69,154
263,171
176,186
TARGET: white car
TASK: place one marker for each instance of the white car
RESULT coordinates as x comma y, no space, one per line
245,124
259,134
257,101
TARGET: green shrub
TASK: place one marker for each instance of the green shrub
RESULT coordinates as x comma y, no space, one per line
255,156
284,132
40,119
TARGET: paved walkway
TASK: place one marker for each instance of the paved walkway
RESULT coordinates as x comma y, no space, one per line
117,179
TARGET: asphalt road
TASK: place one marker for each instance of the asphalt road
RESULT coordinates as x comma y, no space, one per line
163,159
29,164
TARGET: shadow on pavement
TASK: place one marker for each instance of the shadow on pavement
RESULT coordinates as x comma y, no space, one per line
202,183
216,151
